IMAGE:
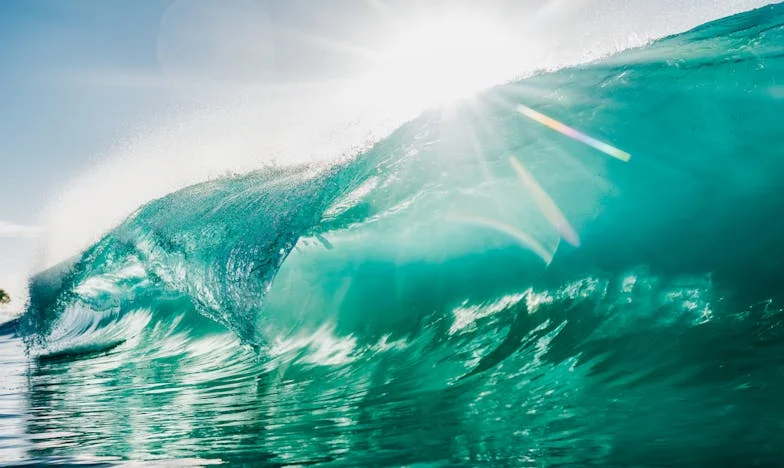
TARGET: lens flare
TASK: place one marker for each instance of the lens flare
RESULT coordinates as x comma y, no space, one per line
574,134
546,204
522,237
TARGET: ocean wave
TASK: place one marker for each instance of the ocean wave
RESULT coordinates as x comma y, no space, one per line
571,253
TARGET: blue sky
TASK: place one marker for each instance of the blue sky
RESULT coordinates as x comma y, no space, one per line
79,76
51,124
56,115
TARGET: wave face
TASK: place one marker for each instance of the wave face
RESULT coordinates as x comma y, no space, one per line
484,286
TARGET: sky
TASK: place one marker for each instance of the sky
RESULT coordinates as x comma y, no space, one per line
107,104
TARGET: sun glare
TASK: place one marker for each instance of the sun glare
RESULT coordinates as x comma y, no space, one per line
437,60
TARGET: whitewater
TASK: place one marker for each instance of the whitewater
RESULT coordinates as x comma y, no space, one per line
580,267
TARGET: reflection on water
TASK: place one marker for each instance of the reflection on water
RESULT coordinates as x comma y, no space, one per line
603,370
13,396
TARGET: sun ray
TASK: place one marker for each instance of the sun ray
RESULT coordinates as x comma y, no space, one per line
336,45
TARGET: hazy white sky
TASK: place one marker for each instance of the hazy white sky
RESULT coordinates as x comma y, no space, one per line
106,104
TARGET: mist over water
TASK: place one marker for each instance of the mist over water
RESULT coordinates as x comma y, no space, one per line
579,267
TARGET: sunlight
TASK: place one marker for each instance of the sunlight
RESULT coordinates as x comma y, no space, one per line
433,61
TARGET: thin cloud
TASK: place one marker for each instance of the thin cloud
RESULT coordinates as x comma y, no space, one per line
8,229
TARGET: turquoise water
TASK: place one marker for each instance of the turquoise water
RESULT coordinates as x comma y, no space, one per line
477,288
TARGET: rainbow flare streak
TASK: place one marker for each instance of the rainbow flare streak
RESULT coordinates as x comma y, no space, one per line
546,204
573,133
522,237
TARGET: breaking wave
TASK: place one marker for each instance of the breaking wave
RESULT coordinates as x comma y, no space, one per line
582,266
